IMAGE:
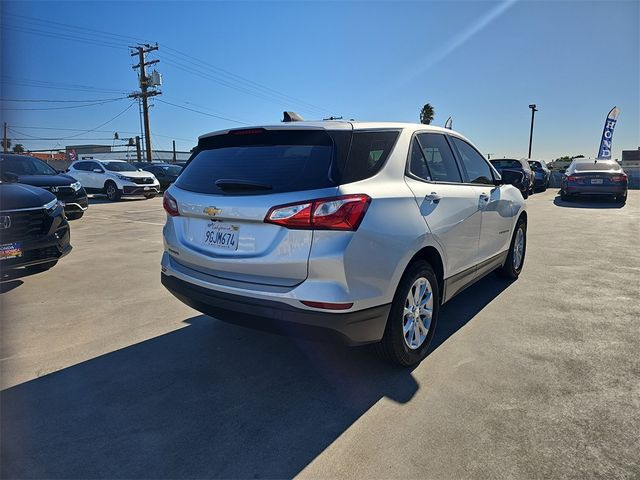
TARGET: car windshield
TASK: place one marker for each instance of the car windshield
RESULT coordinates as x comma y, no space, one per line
172,169
500,164
596,166
119,167
25,166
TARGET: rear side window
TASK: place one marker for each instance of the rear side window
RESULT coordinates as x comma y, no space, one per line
439,158
477,169
258,161
369,150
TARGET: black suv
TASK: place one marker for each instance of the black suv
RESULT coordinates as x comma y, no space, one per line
34,232
33,171
166,173
526,186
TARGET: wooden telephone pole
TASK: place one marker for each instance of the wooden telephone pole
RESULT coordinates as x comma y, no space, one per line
145,93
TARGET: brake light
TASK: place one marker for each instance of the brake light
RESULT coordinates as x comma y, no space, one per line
337,213
247,131
619,178
571,178
170,205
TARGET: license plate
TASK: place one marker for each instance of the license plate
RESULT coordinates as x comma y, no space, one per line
221,235
10,250
596,181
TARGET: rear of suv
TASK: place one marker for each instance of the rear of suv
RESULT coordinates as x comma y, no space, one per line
338,229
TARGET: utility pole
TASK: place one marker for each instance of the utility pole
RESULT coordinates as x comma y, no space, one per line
533,114
4,142
138,150
145,93
174,151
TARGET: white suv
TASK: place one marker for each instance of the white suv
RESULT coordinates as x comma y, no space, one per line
354,230
114,178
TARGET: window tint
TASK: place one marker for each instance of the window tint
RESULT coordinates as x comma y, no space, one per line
439,158
119,167
477,169
596,166
84,166
417,163
369,151
284,160
511,164
94,165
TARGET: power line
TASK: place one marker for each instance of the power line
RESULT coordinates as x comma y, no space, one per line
203,113
59,101
65,108
7,79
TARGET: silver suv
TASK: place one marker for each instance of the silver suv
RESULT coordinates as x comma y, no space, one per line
343,229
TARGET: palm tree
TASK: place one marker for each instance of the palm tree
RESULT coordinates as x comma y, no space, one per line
426,114
18,148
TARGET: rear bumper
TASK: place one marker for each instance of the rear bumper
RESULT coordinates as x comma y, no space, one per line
353,328
595,189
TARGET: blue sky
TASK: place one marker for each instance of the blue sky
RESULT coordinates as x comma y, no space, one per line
481,62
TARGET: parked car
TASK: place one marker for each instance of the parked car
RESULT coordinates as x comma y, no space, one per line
358,231
34,233
541,174
33,171
166,173
589,177
114,178
527,185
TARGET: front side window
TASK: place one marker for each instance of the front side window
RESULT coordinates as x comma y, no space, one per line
476,168
439,158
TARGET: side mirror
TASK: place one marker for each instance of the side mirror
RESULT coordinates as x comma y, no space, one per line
511,177
97,170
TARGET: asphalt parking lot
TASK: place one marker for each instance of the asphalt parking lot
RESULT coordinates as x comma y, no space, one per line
105,374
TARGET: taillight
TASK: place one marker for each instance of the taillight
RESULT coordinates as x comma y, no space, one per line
571,178
619,178
337,213
170,205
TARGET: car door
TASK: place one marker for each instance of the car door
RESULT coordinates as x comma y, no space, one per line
95,180
450,208
79,172
497,210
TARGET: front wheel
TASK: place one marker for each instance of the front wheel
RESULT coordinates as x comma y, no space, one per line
113,194
74,215
413,316
515,258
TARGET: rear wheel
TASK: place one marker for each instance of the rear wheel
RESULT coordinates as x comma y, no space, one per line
413,316
111,189
515,258
563,196
622,198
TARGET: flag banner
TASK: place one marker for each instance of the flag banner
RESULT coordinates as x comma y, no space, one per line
449,123
607,134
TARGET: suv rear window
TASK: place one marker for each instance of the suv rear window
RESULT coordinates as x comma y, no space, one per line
258,161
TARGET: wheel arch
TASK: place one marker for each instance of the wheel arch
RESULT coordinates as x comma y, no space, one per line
434,257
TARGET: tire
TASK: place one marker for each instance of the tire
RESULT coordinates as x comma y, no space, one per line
74,215
515,258
112,192
41,267
525,194
149,196
394,346
622,198
563,196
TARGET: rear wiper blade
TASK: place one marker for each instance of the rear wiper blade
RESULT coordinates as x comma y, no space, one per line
241,185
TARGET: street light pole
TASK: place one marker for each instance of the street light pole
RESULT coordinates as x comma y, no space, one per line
533,114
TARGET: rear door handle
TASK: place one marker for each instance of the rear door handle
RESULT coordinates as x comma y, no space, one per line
433,197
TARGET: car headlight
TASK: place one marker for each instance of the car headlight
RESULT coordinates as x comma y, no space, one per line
51,206
76,186
125,178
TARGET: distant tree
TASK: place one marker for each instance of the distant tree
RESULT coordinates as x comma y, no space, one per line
579,156
426,114
18,148
8,145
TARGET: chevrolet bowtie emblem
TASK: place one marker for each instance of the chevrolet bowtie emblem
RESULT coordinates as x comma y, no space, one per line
212,211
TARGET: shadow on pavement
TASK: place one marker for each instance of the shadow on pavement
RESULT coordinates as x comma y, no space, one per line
96,199
10,279
208,400
587,202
